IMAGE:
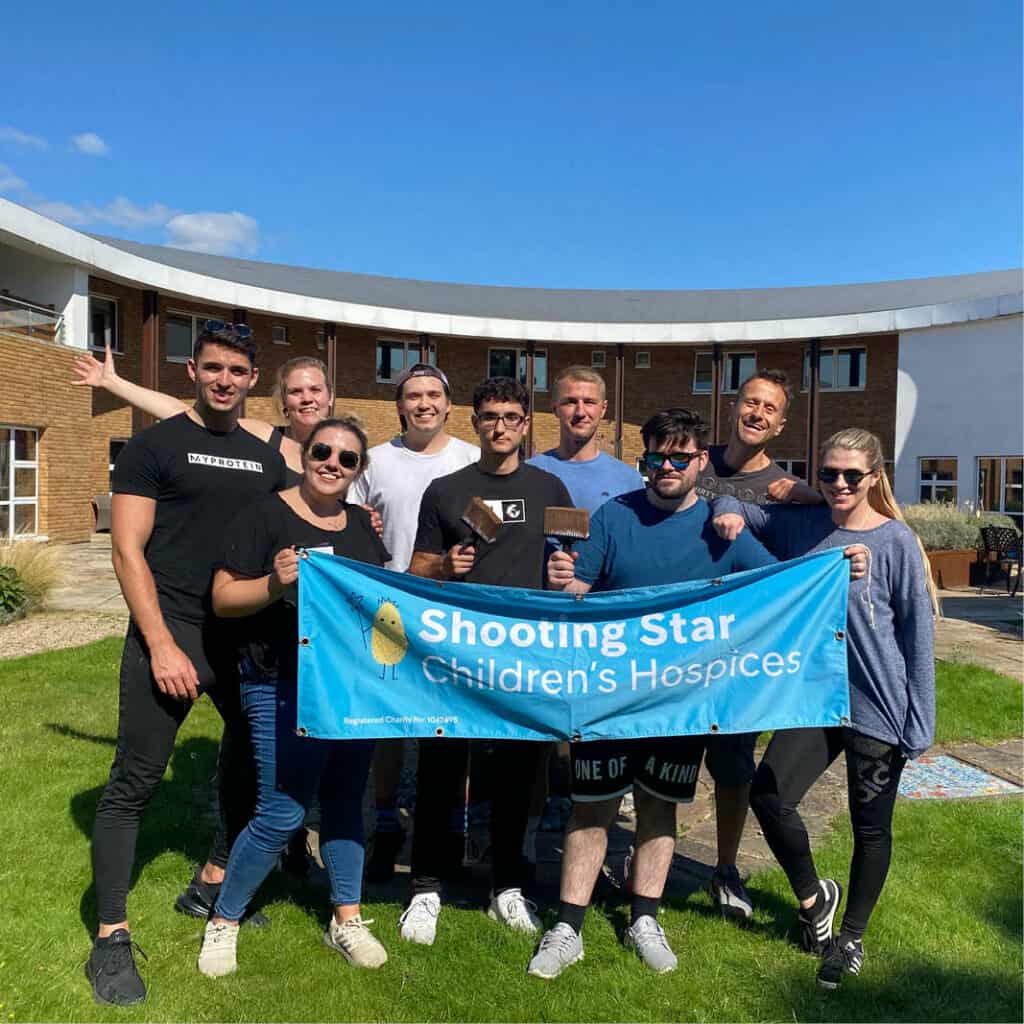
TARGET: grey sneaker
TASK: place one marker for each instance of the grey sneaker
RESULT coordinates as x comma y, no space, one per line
355,942
729,892
648,939
218,955
559,948
511,907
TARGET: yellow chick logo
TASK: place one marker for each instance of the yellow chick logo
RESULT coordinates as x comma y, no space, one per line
388,642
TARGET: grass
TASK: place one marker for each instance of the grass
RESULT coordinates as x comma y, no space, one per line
976,705
945,943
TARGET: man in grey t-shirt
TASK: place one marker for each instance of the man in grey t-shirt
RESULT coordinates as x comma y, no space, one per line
743,469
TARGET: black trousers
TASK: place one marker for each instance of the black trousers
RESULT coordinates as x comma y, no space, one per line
439,780
794,760
147,727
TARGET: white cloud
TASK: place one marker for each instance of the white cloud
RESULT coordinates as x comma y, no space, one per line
90,144
9,181
226,234
8,133
64,212
120,213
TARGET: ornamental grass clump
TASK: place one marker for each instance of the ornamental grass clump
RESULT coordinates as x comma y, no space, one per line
945,527
39,568
13,597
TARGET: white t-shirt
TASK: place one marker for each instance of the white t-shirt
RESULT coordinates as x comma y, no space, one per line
394,484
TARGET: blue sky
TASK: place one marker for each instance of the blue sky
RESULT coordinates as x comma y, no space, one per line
560,144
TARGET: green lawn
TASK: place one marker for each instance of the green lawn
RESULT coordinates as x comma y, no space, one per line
944,945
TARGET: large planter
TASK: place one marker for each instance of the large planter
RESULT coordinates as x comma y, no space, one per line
952,568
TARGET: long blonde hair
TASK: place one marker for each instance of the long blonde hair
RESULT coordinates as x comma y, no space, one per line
880,496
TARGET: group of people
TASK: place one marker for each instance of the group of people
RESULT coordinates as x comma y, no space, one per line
208,510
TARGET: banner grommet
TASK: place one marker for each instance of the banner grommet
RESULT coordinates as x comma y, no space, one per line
840,634
439,731
304,641
301,731
714,727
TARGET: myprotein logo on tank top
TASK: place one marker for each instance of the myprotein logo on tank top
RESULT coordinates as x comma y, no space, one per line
219,462
510,511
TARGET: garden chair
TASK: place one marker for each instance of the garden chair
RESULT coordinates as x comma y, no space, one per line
1002,555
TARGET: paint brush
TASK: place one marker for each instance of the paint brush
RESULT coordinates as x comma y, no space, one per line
482,522
566,525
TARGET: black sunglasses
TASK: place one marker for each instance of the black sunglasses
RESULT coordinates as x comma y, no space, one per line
321,452
678,460
853,477
227,329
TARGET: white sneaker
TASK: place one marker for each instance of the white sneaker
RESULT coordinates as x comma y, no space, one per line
218,955
560,948
355,942
511,907
647,937
419,921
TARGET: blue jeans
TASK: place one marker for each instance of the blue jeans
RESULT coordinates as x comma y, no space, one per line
291,771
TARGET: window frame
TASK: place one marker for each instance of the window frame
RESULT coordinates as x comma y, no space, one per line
833,351
1001,486
694,390
406,344
933,483
787,465
12,502
727,372
117,347
598,359
521,354
642,359
274,328
195,317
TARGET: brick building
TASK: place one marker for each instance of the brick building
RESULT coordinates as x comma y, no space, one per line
62,291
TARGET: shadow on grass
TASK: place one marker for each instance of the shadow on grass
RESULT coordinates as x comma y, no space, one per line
179,817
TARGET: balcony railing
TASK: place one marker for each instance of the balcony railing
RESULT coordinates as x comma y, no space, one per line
21,319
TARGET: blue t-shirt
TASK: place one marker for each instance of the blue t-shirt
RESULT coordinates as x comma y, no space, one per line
593,482
634,544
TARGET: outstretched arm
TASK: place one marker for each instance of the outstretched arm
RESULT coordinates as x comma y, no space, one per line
93,373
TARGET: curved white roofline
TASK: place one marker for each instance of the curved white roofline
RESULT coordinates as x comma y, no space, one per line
987,296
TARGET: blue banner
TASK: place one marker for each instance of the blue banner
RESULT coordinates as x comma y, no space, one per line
385,654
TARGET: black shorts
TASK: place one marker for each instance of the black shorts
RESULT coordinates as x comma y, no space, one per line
730,758
666,767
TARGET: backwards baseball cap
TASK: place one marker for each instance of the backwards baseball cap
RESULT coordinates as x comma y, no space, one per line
421,370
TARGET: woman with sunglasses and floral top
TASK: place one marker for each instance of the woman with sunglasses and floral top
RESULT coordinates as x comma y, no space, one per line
257,586
892,689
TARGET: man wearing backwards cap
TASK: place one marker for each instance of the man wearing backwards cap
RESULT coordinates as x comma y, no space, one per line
393,484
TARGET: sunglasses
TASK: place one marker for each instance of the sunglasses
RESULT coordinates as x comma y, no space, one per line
227,329
853,477
321,452
510,419
678,460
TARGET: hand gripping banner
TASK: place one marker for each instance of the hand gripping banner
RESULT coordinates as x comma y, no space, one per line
385,654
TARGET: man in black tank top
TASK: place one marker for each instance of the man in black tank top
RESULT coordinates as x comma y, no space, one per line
175,487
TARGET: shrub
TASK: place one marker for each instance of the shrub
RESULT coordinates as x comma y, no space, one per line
944,527
40,567
13,596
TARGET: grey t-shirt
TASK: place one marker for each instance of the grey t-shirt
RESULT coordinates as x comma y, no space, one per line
891,642
718,479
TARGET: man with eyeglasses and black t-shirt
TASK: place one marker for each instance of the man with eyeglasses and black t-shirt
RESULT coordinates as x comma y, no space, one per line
518,494
175,487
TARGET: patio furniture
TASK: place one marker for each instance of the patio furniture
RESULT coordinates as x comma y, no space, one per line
101,506
1002,556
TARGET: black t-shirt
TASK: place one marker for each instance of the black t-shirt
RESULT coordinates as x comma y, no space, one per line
516,558
268,639
199,480
718,478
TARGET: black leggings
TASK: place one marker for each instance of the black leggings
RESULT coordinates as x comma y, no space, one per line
147,726
440,777
794,760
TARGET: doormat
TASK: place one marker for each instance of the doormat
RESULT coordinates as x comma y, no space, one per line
941,777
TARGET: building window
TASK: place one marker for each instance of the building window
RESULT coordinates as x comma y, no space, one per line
279,334
839,369
394,356
641,360
19,482
598,359
938,480
103,324
795,467
703,371
738,367
1000,482
180,333
511,362
321,338
113,450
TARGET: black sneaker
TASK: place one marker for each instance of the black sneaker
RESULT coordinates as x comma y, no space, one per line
817,926
199,897
844,956
730,894
111,970
387,846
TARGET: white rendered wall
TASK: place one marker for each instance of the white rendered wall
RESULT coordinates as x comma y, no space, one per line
958,395
47,282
